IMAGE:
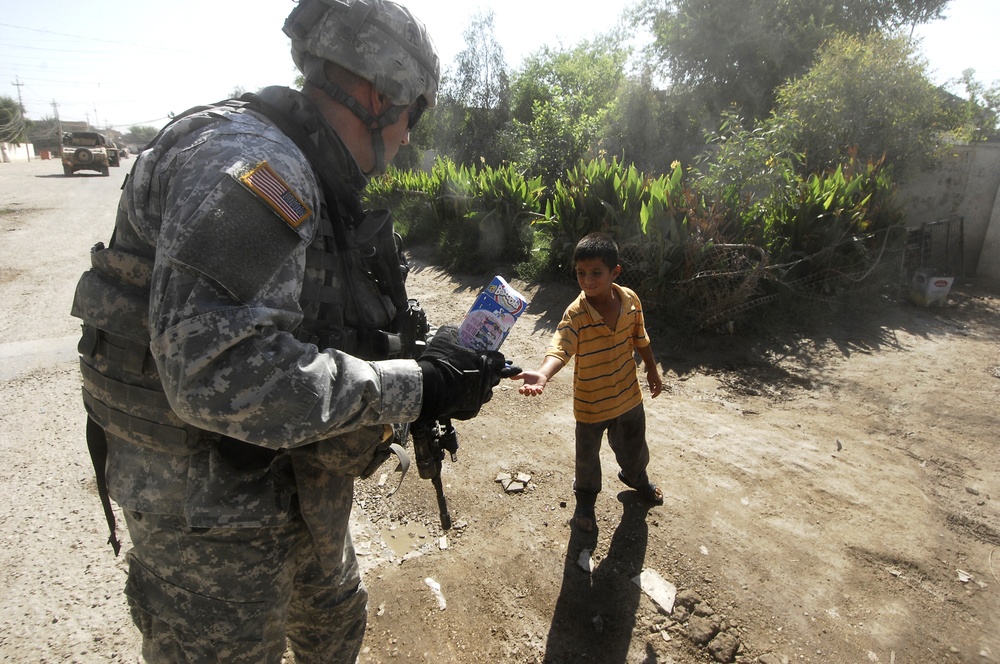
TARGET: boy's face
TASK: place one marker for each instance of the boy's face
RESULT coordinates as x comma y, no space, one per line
595,278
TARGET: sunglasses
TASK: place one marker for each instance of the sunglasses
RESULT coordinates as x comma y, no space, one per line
416,113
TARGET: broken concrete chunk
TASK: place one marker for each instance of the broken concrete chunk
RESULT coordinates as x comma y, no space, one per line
513,483
657,588
512,486
436,591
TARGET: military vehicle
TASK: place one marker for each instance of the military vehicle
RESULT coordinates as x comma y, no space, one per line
88,151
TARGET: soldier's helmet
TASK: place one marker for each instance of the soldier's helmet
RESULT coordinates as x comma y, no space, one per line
379,40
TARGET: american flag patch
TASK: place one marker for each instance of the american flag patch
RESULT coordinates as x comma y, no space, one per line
268,185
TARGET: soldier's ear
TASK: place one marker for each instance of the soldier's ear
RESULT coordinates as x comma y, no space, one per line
377,101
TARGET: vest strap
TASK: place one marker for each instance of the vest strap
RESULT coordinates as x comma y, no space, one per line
97,444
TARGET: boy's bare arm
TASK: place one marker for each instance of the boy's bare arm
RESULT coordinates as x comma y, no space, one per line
652,372
534,381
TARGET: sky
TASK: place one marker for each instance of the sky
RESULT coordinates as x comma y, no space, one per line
119,63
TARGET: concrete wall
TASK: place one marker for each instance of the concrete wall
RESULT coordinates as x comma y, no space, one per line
966,184
989,260
11,152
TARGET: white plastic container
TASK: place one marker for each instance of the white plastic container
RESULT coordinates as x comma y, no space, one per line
929,290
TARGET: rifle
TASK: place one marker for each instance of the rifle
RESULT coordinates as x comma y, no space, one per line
430,440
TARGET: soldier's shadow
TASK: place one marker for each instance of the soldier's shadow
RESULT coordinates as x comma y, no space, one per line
596,613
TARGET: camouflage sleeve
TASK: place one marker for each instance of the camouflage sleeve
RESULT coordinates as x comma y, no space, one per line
226,283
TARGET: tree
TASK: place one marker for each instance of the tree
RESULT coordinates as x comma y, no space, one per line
475,99
560,98
589,72
737,52
865,94
481,79
975,118
13,125
651,128
140,135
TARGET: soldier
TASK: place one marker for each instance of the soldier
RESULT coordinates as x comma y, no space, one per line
247,344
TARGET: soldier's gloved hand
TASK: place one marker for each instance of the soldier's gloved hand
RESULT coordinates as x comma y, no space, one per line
457,380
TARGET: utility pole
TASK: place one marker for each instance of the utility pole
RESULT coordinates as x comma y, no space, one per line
19,85
20,109
59,132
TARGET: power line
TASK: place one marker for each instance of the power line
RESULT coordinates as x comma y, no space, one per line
94,39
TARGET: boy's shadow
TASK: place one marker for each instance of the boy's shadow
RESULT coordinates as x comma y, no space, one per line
595,614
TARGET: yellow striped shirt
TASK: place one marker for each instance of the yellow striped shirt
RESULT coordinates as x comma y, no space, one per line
605,384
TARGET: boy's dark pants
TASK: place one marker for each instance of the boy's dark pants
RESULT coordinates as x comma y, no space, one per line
627,437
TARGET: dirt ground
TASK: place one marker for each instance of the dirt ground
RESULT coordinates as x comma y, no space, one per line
831,496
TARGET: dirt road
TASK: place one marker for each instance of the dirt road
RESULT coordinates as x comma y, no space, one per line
830,497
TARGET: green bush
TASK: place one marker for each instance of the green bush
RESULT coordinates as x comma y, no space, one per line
594,196
476,219
709,244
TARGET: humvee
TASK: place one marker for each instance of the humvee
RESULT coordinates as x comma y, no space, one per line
88,151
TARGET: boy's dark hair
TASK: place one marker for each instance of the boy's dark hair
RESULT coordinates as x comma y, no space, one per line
597,245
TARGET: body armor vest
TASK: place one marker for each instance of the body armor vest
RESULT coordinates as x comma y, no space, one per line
353,299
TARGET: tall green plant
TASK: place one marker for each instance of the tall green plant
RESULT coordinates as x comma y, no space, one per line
484,215
839,221
594,196
666,231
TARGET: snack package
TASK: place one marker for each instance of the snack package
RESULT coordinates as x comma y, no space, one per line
491,316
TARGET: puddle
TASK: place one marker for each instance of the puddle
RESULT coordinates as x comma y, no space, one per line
404,538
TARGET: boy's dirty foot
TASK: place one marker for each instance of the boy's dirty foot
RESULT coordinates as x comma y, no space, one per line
583,519
647,490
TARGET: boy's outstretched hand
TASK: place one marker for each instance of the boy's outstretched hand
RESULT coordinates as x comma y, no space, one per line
534,382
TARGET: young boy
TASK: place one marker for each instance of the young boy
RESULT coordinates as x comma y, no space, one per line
603,328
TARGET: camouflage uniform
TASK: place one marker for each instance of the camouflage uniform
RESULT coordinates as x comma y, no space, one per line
232,439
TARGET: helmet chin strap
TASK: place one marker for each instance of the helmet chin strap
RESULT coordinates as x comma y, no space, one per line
374,123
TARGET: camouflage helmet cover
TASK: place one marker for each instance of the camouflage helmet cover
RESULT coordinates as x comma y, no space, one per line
379,40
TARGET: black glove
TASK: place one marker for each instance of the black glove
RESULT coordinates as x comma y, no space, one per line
457,380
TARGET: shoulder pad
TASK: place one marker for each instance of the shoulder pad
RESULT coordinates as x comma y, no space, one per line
239,243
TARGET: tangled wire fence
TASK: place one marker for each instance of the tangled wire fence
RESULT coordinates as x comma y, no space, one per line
721,283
